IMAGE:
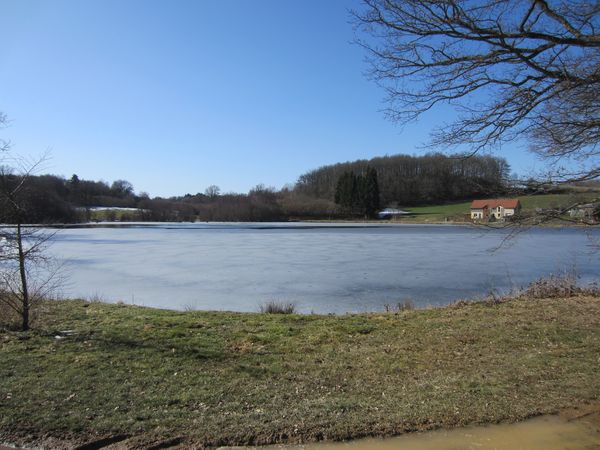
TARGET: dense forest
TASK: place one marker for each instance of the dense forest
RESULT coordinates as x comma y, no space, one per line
326,192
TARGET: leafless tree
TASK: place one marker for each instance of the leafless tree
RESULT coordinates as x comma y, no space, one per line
513,68
27,273
212,191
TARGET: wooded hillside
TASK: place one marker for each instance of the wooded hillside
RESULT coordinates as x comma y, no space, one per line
401,180
416,180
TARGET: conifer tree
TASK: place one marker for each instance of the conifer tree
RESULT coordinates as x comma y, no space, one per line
347,191
370,192
358,194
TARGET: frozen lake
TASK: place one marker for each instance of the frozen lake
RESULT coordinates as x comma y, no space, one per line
322,268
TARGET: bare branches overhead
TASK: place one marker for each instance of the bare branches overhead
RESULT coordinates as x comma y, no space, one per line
514,68
4,144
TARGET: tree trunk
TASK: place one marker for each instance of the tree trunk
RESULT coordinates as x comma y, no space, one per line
24,291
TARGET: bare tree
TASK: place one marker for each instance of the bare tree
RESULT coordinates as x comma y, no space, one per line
213,191
514,69
27,273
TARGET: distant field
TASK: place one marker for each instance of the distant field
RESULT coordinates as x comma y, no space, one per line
438,213
555,200
460,211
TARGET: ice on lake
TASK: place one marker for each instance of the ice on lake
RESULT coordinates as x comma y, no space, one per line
322,268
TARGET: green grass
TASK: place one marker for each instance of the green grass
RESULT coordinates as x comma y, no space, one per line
438,213
219,378
530,203
460,211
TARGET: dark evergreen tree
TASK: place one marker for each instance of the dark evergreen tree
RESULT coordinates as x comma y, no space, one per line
347,191
358,194
370,192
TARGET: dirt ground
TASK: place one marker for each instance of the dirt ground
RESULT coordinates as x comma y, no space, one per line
590,413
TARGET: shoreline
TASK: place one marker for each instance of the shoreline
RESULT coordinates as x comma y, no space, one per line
314,223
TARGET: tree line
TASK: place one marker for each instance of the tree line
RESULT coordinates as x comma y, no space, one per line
55,199
356,188
50,198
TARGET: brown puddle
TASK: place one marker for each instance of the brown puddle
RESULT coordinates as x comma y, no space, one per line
542,433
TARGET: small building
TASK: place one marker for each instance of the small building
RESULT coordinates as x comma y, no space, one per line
388,213
494,209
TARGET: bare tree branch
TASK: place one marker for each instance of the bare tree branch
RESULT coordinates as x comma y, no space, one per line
514,68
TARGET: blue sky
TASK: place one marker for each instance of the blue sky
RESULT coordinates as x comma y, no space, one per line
177,95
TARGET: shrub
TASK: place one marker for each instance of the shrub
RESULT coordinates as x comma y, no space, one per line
10,319
563,284
403,305
406,305
275,307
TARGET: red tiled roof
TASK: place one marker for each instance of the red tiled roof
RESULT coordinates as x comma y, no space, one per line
510,203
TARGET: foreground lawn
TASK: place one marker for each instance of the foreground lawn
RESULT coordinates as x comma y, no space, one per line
218,378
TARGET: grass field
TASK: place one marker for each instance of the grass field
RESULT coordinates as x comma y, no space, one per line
460,211
92,370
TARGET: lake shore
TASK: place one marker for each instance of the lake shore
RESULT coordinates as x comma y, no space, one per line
333,223
92,371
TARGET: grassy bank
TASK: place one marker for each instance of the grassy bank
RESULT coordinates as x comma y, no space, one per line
218,378
458,212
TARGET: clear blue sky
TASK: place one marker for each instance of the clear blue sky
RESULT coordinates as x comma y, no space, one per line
178,95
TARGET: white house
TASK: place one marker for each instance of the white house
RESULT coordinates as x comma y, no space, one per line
494,208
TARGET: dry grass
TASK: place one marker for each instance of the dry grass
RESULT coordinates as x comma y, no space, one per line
275,307
563,284
10,319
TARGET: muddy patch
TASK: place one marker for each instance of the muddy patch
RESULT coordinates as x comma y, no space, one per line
572,430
